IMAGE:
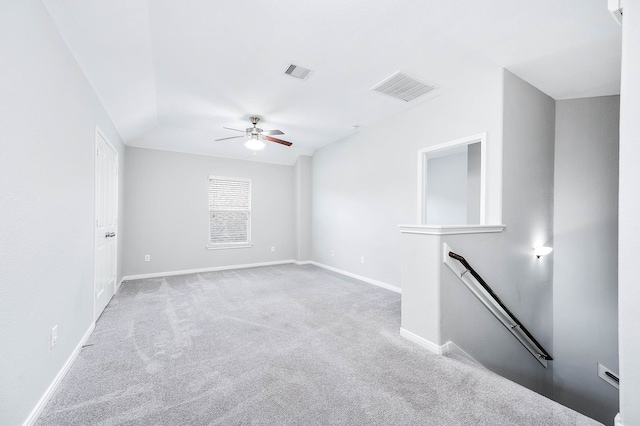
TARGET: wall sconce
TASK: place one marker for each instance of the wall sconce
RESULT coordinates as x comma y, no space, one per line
542,251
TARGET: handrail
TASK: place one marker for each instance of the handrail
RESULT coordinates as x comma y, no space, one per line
517,324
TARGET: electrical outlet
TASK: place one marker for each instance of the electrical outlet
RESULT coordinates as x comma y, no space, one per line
54,336
147,258
361,259
273,249
333,253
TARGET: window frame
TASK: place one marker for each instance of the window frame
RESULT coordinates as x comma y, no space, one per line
243,244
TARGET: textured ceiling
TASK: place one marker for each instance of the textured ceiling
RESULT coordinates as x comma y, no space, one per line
172,74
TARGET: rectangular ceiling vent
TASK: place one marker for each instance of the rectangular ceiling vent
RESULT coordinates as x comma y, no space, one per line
401,86
298,71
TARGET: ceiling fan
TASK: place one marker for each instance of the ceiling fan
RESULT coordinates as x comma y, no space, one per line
256,135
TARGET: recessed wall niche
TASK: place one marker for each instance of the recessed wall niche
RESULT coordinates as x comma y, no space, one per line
452,182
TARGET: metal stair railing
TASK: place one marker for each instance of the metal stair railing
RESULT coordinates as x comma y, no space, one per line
490,299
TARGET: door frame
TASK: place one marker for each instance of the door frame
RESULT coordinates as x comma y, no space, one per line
99,133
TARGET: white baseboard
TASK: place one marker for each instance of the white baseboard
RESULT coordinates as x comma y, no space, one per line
118,286
452,348
253,265
37,410
430,346
358,277
212,269
448,348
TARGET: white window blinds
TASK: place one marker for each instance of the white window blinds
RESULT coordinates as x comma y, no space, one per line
229,212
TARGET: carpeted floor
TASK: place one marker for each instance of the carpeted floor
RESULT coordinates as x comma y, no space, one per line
280,345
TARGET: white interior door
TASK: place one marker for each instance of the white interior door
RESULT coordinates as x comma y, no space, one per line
106,224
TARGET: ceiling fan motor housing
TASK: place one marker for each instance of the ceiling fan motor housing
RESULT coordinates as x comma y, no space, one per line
254,130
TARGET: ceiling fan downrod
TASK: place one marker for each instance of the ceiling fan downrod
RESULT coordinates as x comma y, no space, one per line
254,130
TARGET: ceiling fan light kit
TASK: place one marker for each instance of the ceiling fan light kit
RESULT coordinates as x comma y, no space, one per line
254,144
257,135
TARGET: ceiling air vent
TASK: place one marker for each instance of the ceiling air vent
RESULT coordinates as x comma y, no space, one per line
298,71
401,86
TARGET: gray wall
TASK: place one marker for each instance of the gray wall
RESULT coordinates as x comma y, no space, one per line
303,199
527,194
446,199
366,184
585,251
474,182
167,216
506,260
48,115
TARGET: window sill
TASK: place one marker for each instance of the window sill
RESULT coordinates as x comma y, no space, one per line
228,246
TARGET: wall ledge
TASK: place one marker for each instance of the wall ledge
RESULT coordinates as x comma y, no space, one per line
450,229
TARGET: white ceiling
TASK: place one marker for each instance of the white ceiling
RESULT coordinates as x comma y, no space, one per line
172,73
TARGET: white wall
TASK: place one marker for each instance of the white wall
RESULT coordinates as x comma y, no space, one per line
629,226
303,199
585,275
167,211
366,184
48,115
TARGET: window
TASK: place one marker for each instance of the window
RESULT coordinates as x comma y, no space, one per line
229,212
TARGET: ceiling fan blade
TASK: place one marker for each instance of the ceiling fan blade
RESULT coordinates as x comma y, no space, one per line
272,132
235,130
232,137
280,141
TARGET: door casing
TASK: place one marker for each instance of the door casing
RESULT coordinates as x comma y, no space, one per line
105,222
